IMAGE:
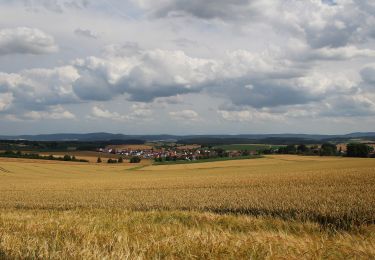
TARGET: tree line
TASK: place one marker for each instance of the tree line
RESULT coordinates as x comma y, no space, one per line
327,149
35,156
134,159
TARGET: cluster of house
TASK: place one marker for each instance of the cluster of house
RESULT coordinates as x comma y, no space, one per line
171,153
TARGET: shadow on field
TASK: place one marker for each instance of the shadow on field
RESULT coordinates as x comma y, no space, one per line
344,222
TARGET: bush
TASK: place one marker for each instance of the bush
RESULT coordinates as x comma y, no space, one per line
111,161
135,159
99,160
120,160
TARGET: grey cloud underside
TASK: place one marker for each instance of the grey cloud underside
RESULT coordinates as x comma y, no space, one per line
269,94
209,9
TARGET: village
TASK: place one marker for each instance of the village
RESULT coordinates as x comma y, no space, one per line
199,152
172,153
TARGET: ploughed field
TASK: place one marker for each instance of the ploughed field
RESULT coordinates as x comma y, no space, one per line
277,206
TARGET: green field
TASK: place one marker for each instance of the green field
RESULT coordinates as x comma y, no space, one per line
283,207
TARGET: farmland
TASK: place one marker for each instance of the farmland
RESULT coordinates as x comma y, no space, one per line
300,206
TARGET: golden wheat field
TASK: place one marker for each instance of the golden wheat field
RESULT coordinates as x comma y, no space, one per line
277,207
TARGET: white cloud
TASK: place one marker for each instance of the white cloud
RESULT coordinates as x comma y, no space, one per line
138,112
57,6
188,115
23,40
249,115
98,112
53,113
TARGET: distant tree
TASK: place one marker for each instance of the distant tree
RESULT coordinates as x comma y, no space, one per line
67,158
358,150
74,158
328,149
135,159
120,160
99,160
302,148
289,149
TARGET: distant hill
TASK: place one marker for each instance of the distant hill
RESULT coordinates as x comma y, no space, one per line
243,138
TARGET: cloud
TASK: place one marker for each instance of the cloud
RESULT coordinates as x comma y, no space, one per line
86,33
348,106
6,100
36,89
143,75
139,111
209,9
248,115
98,112
320,23
23,40
51,113
189,115
57,6
341,53
368,75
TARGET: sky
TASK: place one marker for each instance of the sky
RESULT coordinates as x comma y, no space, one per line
187,67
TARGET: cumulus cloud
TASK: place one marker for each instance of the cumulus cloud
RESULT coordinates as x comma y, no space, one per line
98,112
188,115
50,113
266,59
139,111
23,40
143,75
248,115
39,88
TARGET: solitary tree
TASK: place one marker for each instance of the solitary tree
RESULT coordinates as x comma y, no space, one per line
99,160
